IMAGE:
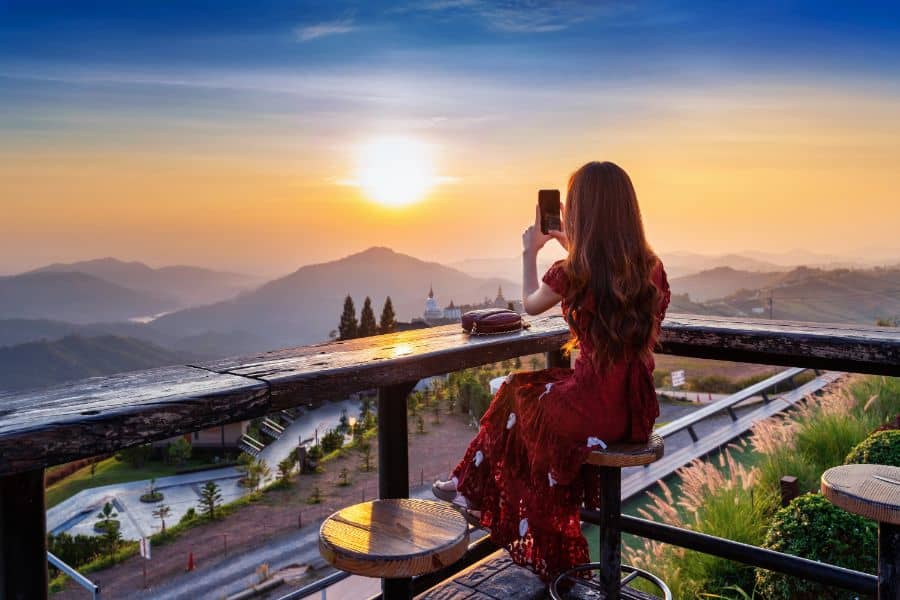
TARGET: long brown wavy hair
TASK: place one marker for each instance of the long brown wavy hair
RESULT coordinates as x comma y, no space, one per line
609,266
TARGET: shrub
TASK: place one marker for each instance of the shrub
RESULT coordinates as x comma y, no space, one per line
812,527
75,550
179,451
880,448
331,441
188,516
135,456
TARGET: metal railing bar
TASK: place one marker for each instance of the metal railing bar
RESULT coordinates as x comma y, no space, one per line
74,575
316,586
727,402
744,553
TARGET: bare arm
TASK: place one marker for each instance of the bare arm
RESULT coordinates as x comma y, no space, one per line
537,296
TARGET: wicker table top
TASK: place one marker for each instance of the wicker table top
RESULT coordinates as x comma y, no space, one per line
394,538
871,491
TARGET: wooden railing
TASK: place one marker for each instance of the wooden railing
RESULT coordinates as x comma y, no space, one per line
101,415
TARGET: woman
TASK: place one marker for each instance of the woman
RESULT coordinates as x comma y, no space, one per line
522,476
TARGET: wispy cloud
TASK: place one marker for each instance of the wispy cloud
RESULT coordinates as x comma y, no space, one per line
526,16
308,33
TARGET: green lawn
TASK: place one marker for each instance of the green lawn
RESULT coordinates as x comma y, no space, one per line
110,471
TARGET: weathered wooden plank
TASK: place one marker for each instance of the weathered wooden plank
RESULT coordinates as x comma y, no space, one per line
324,371
320,372
103,414
47,427
826,346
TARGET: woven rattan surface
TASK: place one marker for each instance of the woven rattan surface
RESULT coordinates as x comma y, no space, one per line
394,538
871,491
629,455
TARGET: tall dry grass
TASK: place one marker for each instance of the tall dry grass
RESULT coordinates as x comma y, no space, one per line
716,497
725,498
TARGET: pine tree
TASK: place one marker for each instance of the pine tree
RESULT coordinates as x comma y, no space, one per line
388,318
210,499
367,324
348,329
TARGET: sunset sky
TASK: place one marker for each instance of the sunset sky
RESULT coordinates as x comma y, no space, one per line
243,135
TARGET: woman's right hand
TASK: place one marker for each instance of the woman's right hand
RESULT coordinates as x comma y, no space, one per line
532,238
560,234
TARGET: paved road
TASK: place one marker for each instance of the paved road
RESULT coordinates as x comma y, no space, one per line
236,573
77,514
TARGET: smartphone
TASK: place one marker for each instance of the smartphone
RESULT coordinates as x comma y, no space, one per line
548,201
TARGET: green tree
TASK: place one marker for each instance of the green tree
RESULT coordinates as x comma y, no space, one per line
179,451
162,513
366,449
257,473
367,325
285,468
107,515
420,424
344,422
134,456
348,328
315,497
210,499
388,319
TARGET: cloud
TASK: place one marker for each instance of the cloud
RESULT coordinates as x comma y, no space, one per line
526,16
308,33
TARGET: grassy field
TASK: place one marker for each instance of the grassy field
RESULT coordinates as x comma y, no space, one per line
698,367
110,471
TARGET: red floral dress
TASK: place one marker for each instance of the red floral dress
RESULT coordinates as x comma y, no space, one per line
525,468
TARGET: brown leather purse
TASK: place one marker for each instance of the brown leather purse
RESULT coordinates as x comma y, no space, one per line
488,321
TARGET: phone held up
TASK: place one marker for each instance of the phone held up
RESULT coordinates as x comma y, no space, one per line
548,201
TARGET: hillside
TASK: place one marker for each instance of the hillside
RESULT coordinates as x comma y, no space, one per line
721,282
39,364
840,295
183,285
304,306
74,297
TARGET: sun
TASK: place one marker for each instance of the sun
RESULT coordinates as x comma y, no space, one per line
395,171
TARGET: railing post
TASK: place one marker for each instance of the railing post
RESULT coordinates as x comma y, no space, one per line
23,536
556,358
393,462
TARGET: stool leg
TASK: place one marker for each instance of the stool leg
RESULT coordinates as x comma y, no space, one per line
610,531
888,561
396,589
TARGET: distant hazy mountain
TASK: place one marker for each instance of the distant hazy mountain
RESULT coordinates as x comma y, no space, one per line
721,282
183,285
20,331
74,297
304,306
678,264
39,364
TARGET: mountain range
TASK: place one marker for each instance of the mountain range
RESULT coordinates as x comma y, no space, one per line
181,286
305,306
41,308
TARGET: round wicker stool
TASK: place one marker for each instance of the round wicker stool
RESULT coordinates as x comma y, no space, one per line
394,539
872,491
610,461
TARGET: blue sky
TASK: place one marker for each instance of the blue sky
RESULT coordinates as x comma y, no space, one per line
288,87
